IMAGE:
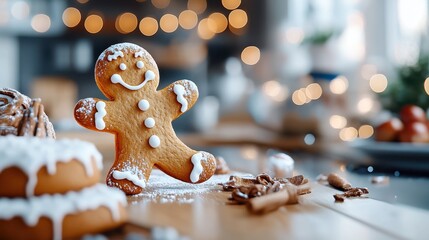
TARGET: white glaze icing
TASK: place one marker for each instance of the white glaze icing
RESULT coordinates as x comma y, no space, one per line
123,66
116,78
179,90
128,48
154,141
130,176
144,105
140,64
149,122
57,206
115,55
31,154
100,114
198,168
138,54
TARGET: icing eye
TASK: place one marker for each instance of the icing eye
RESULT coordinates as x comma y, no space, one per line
122,66
140,64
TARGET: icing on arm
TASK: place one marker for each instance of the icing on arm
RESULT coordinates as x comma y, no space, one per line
92,113
99,115
184,93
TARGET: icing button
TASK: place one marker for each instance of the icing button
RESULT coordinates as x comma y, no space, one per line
144,105
154,141
149,122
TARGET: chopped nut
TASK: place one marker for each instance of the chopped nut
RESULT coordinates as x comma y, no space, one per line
338,182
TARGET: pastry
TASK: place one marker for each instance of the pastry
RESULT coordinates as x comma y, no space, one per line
60,216
33,166
23,116
140,117
49,190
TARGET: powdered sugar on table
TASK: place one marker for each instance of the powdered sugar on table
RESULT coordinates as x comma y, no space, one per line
162,188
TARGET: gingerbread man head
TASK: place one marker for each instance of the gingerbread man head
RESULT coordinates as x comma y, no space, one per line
125,65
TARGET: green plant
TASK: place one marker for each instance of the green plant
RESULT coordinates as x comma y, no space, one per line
409,87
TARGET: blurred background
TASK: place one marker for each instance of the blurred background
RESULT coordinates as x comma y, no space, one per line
296,70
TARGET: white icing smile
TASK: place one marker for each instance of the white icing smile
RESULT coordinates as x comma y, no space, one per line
116,78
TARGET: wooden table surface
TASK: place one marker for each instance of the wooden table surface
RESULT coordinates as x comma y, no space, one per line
202,212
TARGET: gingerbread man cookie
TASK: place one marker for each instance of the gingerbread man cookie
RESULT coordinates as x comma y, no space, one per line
140,117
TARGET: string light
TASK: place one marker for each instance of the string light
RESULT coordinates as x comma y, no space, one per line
250,55
82,1
378,83
237,18
93,23
188,19
41,23
71,17
294,35
231,4
148,26
169,23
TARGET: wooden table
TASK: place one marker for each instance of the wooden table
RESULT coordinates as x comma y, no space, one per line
201,212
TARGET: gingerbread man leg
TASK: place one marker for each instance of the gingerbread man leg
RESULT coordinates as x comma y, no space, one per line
131,168
196,166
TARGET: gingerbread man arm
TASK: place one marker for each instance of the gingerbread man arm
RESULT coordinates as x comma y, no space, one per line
181,95
93,113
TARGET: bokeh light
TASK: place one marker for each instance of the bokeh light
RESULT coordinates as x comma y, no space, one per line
231,4
426,85
365,105
148,26
203,29
198,6
93,23
220,22
337,121
71,17
275,90
250,55
41,23
188,19
169,23
313,91
366,131
348,134
20,10
126,23
160,4
378,83
339,85
237,18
